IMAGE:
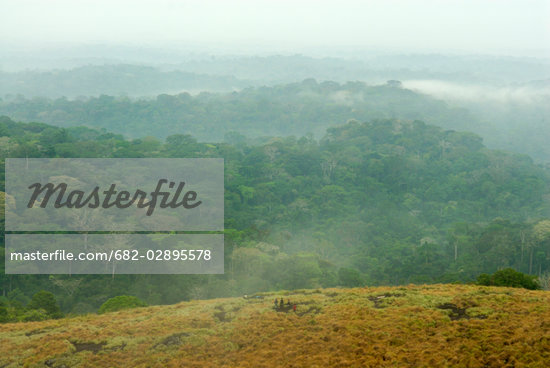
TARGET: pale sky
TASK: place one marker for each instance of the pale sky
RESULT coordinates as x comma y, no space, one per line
494,26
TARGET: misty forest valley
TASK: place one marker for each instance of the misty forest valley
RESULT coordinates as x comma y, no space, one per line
382,208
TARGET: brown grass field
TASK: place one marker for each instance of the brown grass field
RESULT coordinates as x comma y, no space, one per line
411,326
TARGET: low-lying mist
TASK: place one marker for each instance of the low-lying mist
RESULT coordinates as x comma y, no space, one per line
513,117
532,92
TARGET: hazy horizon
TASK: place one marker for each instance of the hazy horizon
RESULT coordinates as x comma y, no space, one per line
254,27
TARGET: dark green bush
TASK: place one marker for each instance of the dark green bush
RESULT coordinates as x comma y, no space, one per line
35,315
46,301
509,277
350,277
121,302
4,316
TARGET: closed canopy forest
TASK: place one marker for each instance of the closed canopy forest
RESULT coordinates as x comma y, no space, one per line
382,202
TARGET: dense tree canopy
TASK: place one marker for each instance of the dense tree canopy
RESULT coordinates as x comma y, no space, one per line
382,202
288,109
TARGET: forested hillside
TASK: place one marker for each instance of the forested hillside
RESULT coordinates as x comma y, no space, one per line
384,202
509,118
117,80
74,72
290,109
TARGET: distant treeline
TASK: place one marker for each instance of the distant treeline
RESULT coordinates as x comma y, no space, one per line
54,75
117,80
309,107
290,109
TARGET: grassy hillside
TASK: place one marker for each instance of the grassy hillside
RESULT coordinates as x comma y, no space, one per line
420,326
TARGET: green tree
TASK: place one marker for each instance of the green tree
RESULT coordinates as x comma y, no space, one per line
350,277
46,301
3,312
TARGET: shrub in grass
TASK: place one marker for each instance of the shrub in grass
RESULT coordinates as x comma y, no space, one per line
509,277
46,301
121,302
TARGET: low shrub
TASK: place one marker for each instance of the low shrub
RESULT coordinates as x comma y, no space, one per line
509,277
121,302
